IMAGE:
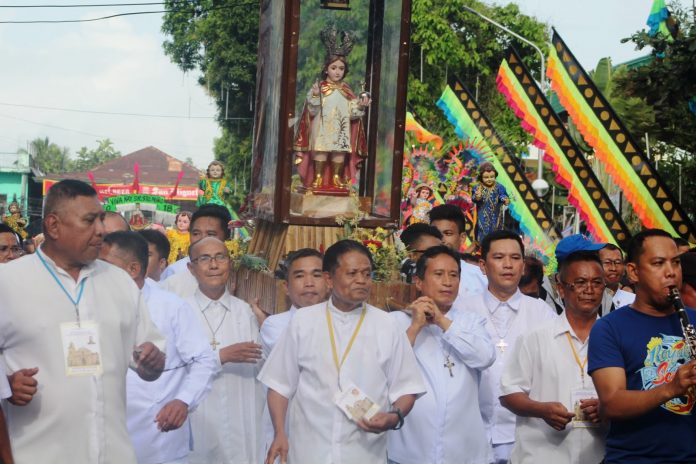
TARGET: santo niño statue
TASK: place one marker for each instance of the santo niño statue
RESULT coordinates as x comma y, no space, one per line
330,140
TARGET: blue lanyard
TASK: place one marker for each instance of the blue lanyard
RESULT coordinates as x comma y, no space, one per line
62,287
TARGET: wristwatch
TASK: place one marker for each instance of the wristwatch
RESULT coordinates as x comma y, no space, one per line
399,424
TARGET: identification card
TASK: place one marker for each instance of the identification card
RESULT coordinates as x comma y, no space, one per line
581,419
81,349
355,404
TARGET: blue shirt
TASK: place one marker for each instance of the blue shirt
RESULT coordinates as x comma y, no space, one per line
650,349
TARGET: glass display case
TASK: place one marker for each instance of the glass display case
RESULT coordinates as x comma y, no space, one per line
328,145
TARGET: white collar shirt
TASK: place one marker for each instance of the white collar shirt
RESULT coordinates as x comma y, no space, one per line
301,368
623,298
176,267
446,421
505,321
471,281
273,327
70,419
227,424
183,284
5,390
191,365
543,366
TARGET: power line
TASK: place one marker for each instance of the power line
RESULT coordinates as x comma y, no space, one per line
93,5
132,13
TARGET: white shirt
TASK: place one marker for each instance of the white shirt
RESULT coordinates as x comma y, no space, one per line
70,419
183,284
174,268
301,368
187,344
273,327
227,424
471,282
445,426
504,321
623,298
5,390
543,366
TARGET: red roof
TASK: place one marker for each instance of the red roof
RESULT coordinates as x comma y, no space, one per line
155,166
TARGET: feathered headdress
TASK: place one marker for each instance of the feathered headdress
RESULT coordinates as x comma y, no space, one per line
337,42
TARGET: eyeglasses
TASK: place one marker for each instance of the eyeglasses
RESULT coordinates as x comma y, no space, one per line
615,263
585,285
14,250
207,259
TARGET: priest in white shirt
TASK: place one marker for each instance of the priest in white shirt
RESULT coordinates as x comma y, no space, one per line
305,286
341,346
158,247
545,380
208,221
508,314
452,348
227,424
450,221
78,322
158,411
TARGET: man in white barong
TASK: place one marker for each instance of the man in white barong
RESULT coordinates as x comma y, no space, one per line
452,348
508,313
343,346
208,221
227,424
77,322
158,411
545,381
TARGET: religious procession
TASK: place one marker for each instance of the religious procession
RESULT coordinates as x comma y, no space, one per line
483,259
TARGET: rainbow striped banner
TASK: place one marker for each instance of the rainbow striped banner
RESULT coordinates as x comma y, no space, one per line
572,170
614,146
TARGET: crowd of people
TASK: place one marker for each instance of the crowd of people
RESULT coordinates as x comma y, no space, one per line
114,355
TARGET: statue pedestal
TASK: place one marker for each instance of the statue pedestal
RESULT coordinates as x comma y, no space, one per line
324,206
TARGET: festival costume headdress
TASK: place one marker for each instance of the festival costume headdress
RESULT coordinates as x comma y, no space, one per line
337,42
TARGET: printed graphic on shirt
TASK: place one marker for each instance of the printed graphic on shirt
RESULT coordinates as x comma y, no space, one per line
665,355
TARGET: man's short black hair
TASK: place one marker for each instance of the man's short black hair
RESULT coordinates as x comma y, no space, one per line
681,241
533,271
577,257
635,246
432,252
612,247
414,232
158,239
133,244
214,211
340,248
502,234
66,190
284,265
451,213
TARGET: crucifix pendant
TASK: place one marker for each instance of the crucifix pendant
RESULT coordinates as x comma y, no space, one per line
449,365
501,345
214,343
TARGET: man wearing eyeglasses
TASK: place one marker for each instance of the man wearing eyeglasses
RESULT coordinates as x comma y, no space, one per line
227,424
10,247
614,266
545,381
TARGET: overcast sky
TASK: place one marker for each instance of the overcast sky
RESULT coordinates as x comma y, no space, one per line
117,66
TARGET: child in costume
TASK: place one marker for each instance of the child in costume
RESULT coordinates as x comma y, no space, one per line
489,197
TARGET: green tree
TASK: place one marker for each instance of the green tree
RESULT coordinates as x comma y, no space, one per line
48,157
88,159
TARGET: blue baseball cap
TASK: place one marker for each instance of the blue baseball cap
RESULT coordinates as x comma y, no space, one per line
573,243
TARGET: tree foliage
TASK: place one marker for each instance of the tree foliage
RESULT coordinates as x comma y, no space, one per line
50,158
88,159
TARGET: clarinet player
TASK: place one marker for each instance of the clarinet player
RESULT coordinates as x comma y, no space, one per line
641,362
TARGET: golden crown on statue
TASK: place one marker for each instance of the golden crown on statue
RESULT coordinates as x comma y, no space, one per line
337,42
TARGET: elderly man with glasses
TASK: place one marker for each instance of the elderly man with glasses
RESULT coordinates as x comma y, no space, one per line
227,424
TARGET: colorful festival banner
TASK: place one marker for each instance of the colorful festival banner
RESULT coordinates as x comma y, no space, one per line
572,170
112,203
110,190
421,133
614,146
470,124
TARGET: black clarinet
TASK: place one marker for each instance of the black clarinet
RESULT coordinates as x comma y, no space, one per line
687,326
